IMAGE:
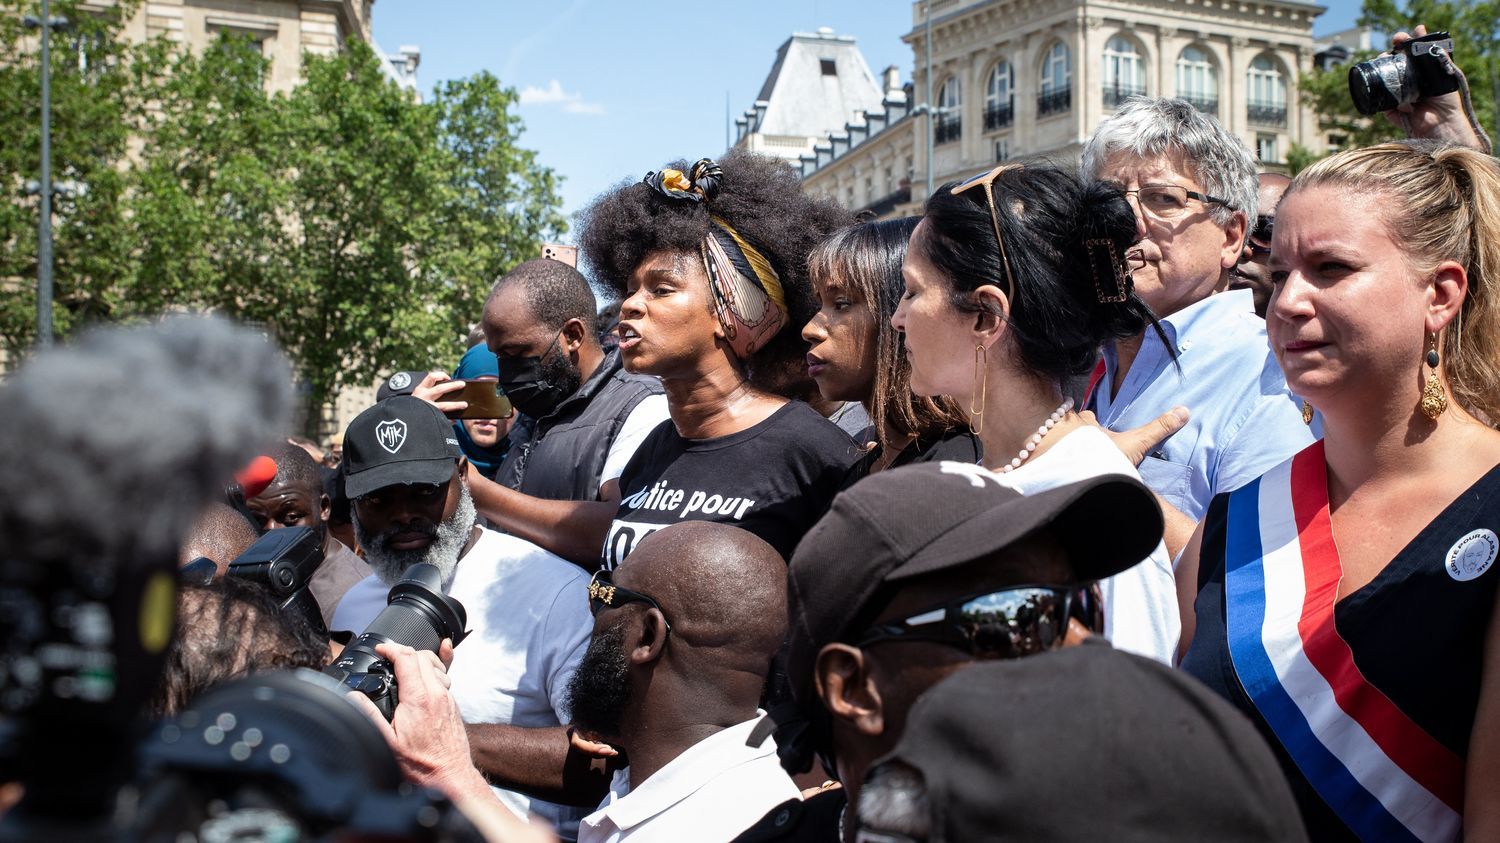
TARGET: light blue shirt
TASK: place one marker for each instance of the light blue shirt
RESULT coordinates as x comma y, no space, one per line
1244,419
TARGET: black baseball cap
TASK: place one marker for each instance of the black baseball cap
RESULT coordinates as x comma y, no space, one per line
920,519
401,383
400,440
1090,743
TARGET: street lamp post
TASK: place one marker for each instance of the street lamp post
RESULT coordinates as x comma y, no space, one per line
46,23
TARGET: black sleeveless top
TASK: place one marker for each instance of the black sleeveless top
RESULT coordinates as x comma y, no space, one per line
1417,633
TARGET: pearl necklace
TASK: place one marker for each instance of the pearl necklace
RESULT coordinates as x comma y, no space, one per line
1036,438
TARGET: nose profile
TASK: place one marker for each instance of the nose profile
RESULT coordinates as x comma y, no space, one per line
813,331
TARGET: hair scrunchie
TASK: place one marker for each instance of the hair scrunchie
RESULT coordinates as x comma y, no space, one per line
747,294
699,184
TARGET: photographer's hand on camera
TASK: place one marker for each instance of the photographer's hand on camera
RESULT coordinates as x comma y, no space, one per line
427,732
1446,117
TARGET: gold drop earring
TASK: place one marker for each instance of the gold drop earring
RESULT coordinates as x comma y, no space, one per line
1434,400
981,386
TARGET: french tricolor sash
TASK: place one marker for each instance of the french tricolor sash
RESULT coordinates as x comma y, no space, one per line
1384,776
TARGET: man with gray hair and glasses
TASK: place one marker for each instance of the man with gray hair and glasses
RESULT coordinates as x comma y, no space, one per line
1193,186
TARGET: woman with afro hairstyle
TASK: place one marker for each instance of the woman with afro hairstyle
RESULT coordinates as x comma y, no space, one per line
711,263
1014,278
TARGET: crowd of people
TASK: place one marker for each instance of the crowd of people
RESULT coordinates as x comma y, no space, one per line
1155,499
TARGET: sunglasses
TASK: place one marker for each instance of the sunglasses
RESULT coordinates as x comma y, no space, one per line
987,181
1260,236
604,594
1007,624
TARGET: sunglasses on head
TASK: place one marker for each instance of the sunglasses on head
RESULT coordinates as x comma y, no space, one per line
604,594
987,181
1006,624
1260,236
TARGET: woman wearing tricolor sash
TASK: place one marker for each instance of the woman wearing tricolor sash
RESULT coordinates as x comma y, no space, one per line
1345,600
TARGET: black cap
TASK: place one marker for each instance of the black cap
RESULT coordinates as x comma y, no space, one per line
399,440
920,519
1089,743
401,383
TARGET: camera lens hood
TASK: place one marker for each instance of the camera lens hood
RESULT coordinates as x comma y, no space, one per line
422,585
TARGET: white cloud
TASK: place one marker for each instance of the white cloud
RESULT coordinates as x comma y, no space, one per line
554,94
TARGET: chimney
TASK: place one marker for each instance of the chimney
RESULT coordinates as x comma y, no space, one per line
892,77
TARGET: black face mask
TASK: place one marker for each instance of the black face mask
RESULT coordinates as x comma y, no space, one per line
536,385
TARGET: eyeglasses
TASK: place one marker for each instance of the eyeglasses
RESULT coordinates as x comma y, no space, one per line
1260,237
1169,202
988,182
604,594
1007,624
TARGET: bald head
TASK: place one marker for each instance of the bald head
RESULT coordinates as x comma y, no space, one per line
221,533
551,291
1272,185
719,586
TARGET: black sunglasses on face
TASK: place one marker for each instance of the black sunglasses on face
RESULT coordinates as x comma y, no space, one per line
1007,624
604,594
1260,236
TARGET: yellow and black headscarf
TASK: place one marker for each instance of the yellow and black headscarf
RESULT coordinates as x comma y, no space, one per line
747,293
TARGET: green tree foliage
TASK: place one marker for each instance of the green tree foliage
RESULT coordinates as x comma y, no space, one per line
96,105
359,227
1475,26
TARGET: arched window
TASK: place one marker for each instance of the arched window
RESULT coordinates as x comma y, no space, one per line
1266,92
1000,97
950,111
1124,73
1056,94
1198,79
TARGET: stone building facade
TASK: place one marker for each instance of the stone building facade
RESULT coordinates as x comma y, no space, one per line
1028,79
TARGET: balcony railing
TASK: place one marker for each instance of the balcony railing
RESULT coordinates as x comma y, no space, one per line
1116,94
1265,114
950,127
1203,102
999,115
1054,102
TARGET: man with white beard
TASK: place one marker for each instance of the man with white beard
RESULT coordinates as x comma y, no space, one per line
528,610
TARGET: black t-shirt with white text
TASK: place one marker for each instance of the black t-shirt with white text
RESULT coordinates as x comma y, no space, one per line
775,480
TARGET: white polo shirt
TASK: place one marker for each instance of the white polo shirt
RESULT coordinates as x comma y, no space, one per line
529,625
709,794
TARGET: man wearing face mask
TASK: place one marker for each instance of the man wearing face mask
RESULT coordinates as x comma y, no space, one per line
559,487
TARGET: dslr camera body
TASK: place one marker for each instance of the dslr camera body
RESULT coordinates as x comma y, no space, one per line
1420,69
417,614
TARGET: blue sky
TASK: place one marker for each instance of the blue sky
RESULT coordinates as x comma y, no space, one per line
613,88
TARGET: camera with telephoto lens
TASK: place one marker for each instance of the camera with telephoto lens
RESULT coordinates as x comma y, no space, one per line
1417,70
417,614
284,561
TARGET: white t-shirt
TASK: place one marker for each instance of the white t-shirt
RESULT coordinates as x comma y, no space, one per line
529,625
1140,604
651,412
709,794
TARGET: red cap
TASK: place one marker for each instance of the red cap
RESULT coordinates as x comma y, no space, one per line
255,477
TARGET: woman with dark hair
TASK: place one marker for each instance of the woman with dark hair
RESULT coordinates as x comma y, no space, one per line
857,356
1014,279
711,263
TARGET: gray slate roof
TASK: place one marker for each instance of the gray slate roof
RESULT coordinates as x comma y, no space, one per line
804,101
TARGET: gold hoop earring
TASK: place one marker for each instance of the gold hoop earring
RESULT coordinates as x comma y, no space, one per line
981,387
1434,400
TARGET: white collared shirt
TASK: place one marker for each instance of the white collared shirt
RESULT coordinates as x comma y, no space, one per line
709,794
